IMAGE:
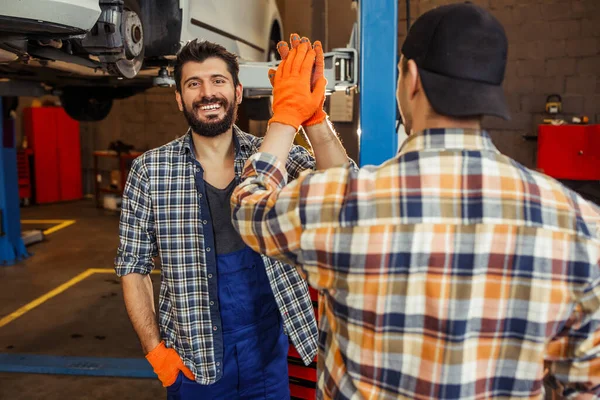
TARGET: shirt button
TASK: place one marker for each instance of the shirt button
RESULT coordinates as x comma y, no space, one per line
218,364
218,370
212,303
210,275
214,328
208,249
200,195
205,222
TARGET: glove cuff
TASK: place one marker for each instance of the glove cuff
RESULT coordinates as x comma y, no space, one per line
285,120
317,118
157,353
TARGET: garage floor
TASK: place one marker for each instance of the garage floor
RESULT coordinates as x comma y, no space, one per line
87,319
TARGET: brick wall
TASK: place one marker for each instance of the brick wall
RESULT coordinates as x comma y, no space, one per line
554,47
147,120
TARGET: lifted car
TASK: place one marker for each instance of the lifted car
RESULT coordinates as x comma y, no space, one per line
90,52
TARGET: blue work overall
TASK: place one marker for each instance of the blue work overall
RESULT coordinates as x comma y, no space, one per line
254,345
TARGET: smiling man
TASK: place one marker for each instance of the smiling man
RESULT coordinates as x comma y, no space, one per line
225,311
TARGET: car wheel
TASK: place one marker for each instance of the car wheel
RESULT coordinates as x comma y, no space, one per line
83,105
257,109
133,37
273,55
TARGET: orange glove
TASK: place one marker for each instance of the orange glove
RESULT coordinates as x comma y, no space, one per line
167,364
318,73
293,100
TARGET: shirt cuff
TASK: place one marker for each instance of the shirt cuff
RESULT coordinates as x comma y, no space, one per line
268,169
125,265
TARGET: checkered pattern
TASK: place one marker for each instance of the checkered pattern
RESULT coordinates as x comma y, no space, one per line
161,216
450,271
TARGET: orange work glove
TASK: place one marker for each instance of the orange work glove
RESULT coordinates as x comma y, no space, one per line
318,73
167,364
293,100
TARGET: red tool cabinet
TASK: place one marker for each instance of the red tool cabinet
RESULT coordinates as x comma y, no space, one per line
569,151
24,174
53,137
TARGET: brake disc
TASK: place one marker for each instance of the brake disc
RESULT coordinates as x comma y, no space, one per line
133,46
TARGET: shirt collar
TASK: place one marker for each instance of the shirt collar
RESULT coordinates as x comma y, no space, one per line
448,139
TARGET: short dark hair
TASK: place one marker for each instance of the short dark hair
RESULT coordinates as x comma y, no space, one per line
404,65
404,71
200,50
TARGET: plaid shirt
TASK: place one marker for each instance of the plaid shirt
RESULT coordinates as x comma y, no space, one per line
450,271
165,211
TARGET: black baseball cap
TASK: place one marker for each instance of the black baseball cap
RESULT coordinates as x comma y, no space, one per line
461,52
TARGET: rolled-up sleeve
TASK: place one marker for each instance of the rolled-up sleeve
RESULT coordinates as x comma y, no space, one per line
298,161
573,356
301,160
137,239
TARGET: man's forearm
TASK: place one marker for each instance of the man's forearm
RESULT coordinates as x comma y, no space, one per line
139,301
326,145
278,141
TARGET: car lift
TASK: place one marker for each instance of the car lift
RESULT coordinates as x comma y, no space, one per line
377,59
12,248
378,44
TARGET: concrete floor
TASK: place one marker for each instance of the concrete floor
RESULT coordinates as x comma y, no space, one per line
87,319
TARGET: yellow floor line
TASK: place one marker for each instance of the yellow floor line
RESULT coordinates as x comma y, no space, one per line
58,227
61,223
43,221
54,292
30,306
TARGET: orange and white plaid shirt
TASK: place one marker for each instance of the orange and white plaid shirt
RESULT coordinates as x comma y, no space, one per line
450,271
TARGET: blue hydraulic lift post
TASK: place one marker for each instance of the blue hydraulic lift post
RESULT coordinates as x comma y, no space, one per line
378,27
12,248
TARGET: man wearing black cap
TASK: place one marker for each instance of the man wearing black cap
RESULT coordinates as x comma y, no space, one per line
452,67
450,271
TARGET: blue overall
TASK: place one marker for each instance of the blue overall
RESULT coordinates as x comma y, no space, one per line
255,347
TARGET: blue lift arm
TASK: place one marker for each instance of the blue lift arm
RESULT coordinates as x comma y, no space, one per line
12,248
378,27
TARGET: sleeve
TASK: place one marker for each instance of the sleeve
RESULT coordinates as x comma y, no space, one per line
573,356
272,218
301,160
298,161
137,240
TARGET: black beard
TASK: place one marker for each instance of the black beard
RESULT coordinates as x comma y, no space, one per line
211,129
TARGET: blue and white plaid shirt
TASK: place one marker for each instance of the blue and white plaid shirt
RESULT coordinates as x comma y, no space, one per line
165,212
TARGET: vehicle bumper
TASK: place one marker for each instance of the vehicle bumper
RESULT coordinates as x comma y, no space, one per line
39,17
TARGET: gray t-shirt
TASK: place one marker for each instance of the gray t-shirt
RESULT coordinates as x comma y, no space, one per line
227,240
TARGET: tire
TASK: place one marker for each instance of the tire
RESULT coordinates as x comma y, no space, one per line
257,109
272,54
81,104
276,36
